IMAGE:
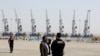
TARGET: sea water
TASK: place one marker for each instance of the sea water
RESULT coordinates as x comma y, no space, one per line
35,38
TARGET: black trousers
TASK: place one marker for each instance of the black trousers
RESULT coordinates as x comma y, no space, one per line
11,48
56,55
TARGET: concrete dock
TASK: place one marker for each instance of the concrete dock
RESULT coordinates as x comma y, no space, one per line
31,48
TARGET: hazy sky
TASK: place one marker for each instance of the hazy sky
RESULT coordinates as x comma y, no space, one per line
53,6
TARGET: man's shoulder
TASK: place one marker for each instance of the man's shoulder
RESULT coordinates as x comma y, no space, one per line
60,41
54,40
42,43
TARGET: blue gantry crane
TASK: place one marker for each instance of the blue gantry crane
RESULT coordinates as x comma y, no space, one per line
6,26
33,33
48,27
87,25
19,26
74,27
61,26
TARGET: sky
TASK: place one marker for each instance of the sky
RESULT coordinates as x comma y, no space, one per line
52,6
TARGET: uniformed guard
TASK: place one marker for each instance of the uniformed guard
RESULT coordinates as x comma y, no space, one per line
11,42
57,46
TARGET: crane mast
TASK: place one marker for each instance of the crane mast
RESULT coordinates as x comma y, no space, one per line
60,23
33,23
5,21
87,25
74,27
18,21
48,26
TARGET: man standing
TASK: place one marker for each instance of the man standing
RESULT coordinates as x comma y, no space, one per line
57,46
11,42
44,49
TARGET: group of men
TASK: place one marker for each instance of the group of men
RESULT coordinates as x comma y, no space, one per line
56,48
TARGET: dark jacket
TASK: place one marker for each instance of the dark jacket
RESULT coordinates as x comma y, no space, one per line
57,47
43,49
11,42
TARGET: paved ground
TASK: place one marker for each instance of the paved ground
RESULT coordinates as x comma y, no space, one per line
31,48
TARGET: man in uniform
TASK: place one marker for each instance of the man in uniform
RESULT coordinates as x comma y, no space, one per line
57,46
11,42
